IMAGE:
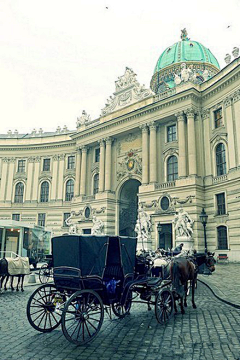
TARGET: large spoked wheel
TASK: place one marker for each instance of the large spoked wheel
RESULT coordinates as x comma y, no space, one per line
43,311
45,274
164,306
82,317
121,311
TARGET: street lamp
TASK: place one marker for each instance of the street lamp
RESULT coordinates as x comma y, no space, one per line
159,229
204,218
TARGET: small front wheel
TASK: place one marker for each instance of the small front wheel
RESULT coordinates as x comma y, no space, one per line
164,306
45,273
82,317
122,310
43,308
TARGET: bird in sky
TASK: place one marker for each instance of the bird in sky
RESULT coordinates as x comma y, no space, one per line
228,26
106,7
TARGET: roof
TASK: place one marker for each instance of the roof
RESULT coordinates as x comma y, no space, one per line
185,51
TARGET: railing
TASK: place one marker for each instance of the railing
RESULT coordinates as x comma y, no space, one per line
166,185
88,197
219,179
4,253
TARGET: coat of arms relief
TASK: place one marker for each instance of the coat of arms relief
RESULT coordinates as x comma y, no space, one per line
130,164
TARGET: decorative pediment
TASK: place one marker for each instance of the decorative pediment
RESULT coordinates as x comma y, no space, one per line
128,91
218,137
170,151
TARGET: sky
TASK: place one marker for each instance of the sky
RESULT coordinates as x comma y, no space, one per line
58,58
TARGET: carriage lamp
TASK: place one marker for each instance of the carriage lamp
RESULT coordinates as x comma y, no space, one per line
204,218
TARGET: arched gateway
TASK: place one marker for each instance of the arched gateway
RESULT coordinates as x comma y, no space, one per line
128,207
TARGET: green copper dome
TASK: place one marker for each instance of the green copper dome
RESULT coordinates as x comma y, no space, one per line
184,62
185,51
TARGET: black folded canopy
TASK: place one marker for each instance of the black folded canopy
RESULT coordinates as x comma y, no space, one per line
91,253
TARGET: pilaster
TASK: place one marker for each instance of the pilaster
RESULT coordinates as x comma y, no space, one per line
182,168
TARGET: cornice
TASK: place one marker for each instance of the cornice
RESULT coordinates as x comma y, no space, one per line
222,83
12,147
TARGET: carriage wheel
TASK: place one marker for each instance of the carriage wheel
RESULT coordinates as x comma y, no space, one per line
122,310
43,308
164,306
44,274
82,317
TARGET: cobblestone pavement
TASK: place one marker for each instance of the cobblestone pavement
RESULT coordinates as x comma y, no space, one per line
210,332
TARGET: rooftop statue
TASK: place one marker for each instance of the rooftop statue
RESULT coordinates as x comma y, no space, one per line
184,34
82,120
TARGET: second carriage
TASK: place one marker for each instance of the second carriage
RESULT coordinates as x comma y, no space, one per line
94,274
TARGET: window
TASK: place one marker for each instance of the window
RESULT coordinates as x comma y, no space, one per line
171,133
21,166
96,184
71,162
46,164
69,190
41,219
221,208
87,212
172,168
65,217
221,159
218,118
16,217
222,238
164,203
19,190
44,192
97,155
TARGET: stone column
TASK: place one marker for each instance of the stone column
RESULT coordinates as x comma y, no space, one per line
145,178
108,166
153,152
10,189
102,166
206,142
30,174
78,173
54,177
236,107
83,171
231,133
4,179
182,172
61,165
36,171
192,160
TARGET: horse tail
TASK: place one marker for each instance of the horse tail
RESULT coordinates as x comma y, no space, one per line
175,276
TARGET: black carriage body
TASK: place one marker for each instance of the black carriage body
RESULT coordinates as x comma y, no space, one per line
101,263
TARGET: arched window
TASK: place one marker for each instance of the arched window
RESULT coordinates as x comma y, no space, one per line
222,238
96,184
44,192
172,168
221,159
19,190
69,190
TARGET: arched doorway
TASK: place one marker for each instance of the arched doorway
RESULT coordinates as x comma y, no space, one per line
128,207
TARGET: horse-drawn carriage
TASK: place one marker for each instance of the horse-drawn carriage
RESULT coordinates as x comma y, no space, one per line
92,274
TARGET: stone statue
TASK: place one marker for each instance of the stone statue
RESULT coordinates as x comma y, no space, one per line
227,58
98,226
72,227
183,224
85,118
205,74
184,34
177,79
235,52
185,73
143,228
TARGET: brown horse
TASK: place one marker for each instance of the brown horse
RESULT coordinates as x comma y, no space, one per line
5,273
183,269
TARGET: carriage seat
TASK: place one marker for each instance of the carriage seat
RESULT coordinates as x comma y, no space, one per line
113,271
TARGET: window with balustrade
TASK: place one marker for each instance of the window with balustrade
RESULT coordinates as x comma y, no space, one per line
19,191
172,168
69,190
221,159
44,194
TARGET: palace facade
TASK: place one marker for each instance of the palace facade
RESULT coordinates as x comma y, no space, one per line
175,145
